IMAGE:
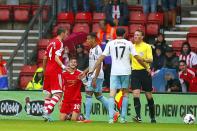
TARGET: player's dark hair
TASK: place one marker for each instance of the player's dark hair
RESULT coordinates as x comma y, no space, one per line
142,32
92,35
73,58
61,30
120,31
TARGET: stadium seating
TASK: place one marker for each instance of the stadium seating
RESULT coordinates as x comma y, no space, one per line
152,29
193,30
43,43
63,25
26,75
21,13
40,56
5,13
24,80
135,8
81,27
98,17
156,18
176,45
65,17
45,12
83,17
134,27
95,27
137,18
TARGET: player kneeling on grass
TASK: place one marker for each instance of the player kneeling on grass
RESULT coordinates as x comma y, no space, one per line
71,104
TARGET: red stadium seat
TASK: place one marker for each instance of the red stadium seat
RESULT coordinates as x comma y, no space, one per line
193,30
193,43
156,18
95,27
83,17
126,30
40,56
24,80
21,13
62,25
45,12
98,17
28,70
5,12
152,29
137,18
43,43
65,17
81,27
176,44
135,8
134,27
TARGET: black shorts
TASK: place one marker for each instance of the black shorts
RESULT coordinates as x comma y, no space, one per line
140,79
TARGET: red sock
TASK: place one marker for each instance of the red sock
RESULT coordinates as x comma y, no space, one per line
52,103
46,102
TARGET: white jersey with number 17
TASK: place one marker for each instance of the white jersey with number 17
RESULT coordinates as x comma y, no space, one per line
120,51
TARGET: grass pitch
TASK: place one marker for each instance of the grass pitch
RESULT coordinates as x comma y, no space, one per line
21,125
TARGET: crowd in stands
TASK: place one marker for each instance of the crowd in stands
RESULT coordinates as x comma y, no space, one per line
170,72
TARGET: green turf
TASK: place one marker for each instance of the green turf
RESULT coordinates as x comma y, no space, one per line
19,125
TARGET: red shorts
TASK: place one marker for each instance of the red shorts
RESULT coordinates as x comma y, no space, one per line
69,108
53,83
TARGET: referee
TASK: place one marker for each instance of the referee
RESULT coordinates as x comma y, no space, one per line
141,77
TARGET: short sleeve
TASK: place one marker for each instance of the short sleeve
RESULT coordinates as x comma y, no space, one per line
58,48
106,52
132,49
149,53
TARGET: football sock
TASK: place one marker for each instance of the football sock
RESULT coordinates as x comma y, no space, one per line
46,103
137,106
103,100
151,106
52,103
124,106
111,107
88,106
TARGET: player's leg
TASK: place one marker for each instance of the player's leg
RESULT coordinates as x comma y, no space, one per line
56,90
76,107
136,86
98,93
88,104
65,110
63,116
147,87
75,116
114,85
125,86
46,91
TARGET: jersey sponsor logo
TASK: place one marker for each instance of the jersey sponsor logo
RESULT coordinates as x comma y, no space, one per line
10,107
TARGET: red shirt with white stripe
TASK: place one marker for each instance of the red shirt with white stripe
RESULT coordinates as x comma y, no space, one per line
55,47
72,86
191,59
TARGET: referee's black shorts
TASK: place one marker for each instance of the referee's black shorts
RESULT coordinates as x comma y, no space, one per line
140,79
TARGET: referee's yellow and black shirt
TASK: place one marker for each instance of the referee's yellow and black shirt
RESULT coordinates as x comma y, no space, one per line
144,50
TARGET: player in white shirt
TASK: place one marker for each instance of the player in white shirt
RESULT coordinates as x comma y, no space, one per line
95,81
120,50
